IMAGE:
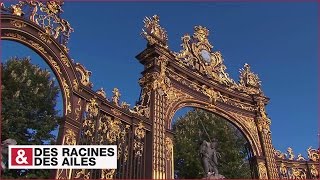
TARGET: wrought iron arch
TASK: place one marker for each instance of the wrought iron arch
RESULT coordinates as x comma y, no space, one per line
16,29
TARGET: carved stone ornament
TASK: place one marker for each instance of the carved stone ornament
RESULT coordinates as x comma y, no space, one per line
154,33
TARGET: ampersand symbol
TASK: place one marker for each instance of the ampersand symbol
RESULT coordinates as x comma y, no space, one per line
20,159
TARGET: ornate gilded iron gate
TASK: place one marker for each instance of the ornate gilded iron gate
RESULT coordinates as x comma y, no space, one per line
194,77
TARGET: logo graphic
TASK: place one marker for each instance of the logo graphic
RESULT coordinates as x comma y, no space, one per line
62,157
21,157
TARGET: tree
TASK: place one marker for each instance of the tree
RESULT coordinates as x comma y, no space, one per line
198,125
29,97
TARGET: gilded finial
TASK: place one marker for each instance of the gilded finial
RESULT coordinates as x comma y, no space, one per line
248,81
153,32
201,34
116,96
102,93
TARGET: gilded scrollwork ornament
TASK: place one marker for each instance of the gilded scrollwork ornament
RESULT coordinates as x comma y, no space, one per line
249,82
46,38
313,154
78,109
64,58
116,112
140,131
279,154
67,95
169,148
154,33
92,108
262,170
45,14
300,158
113,129
138,148
75,85
263,121
290,153
69,137
314,172
18,24
297,173
197,55
138,143
125,105
211,93
283,171
82,174
107,173
84,75
142,108
116,96
102,93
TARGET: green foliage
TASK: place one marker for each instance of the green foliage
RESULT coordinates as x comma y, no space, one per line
28,108
189,134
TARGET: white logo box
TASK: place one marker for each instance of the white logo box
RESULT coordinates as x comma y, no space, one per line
68,157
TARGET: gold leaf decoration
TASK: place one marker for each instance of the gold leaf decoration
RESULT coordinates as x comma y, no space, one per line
84,75
116,96
197,55
69,137
154,33
107,173
64,59
92,108
313,154
81,174
139,131
45,14
18,24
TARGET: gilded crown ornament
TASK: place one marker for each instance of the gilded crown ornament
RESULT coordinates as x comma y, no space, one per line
197,55
201,34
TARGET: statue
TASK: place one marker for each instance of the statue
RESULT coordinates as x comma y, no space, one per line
209,157
4,151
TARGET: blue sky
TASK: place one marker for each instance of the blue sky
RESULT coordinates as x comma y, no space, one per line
278,40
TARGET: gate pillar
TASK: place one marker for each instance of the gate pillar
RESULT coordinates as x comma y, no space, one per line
154,84
267,169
